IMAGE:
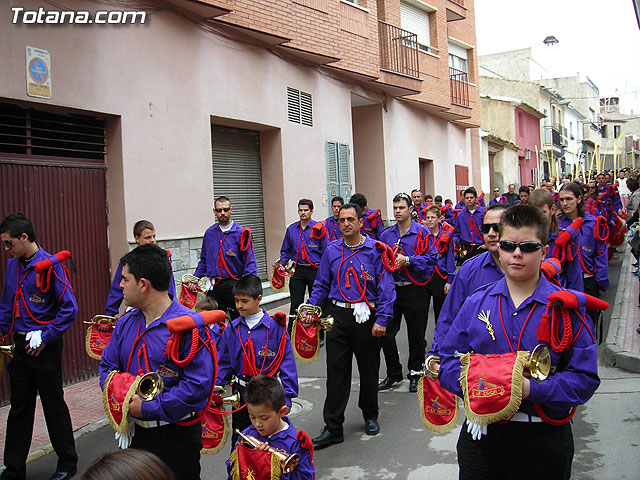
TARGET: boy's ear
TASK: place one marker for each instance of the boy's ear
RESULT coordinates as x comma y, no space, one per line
259,299
283,411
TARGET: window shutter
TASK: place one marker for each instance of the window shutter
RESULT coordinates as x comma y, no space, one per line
415,21
344,171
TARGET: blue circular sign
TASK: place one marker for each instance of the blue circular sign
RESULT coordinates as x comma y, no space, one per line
38,70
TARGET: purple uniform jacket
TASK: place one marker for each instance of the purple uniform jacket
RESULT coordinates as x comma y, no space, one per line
576,377
238,262
448,215
333,229
612,198
446,259
58,306
591,256
186,389
467,228
363,264
295,239
286,440
502,200
367,225
420,266
115,293
236,335
473,274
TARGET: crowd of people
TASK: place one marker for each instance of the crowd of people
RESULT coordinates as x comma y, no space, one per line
532,265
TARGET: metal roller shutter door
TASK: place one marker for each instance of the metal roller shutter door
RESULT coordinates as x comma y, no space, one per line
237,174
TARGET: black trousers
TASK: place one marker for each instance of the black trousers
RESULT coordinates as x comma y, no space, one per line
223,294
28,377
348,338
517,450
412,302
178,446
301,281
435,290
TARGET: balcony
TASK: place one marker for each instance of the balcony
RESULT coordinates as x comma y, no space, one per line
459,82
398,50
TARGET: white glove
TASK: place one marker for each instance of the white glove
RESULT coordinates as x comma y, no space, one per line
35,338
476,431
361,312
124,439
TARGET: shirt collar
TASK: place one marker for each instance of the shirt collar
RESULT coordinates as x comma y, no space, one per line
540,294
262,321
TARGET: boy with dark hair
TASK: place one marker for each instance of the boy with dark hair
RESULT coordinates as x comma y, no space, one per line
139,346
467,232
501,319
333,229
255,344
523,192
440,282
38,317
144,233
267,411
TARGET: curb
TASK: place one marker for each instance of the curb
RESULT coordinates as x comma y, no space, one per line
613,355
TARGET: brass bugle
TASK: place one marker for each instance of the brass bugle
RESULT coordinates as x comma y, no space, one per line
430,366
315,311
233,400
101,319
8,349
201,282
289,266
539,363
287,462
151,384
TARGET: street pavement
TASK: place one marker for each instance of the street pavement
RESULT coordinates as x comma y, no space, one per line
605,430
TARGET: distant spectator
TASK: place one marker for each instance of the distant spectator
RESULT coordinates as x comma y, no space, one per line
524,194
623,190
511,195
634,198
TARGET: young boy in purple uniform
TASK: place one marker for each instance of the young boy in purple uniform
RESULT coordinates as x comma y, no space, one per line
143,233
254,344
416,259
227,254
138,346
467,232
514,307
269,424
38,320
479,271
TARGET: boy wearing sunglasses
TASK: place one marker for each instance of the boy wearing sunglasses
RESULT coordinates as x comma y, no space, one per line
505,317
227,254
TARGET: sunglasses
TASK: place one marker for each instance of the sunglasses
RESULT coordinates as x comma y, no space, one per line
220,210
486,227
525,247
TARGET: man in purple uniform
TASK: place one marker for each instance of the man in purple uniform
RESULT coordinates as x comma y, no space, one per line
227,254
362,293
333,228
138,346
38,320
303,243
417,256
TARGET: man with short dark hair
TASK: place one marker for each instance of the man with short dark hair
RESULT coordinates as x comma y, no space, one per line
511,195
303,243
524,194
371,220
38,316
227,254
362,292
139,345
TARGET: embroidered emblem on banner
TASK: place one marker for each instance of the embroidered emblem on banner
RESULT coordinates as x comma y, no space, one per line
436,409
115,406
485,389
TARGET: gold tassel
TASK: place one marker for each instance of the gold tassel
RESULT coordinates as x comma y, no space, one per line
276,468
235,466
517,379
295,352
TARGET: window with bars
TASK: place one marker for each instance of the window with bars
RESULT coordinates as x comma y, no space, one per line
299,107
31,133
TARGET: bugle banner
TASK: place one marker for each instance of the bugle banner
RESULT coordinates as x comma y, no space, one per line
305,338
99,334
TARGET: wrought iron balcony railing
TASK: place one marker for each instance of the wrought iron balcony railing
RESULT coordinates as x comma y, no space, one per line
398,50
459,87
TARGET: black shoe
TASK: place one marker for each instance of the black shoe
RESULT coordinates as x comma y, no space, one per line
371,427
326,438
63,475
413,384
388,382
